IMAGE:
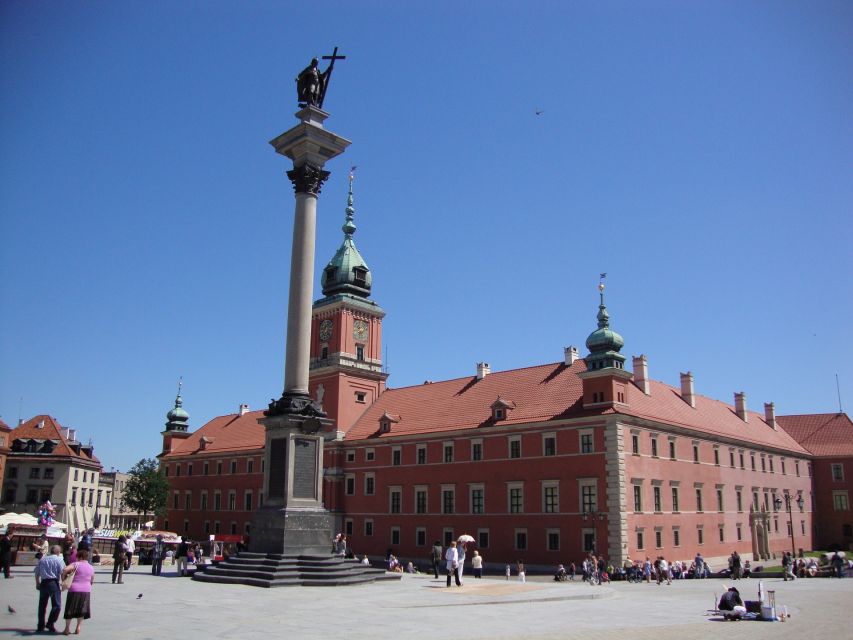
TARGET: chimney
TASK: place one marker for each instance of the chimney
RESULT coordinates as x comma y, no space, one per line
687,389
571,354
641,374
482,370
770,414
244,409
740,406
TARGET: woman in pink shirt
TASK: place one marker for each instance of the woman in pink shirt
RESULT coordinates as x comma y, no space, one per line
77,600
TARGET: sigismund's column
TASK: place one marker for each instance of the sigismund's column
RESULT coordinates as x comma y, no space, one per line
292,520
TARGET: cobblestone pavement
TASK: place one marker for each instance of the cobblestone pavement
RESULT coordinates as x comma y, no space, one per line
173,607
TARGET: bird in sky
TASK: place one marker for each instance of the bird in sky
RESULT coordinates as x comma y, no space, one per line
539,112
11,608
139,596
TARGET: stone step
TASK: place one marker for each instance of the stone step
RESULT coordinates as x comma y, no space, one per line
278,570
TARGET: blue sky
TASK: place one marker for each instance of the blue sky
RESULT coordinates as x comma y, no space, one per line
699,153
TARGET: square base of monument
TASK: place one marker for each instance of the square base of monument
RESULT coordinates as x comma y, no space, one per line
292,532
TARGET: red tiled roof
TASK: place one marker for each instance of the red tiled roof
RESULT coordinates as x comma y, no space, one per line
551,392
824,434
231,432
4,426
44,427
540,393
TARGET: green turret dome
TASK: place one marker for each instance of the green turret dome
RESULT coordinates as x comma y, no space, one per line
177,418
347,272
604,343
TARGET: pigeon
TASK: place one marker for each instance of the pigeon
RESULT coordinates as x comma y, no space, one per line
539,112
11,609
139,596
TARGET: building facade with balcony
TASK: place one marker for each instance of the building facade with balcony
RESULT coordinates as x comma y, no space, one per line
48,462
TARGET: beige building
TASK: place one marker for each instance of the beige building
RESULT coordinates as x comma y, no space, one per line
113,514
47,462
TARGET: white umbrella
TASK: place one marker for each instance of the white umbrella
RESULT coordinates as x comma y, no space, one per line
465,538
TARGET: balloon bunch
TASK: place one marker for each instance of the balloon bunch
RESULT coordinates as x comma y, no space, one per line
46,514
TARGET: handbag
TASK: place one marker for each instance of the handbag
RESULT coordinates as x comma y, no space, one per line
69,578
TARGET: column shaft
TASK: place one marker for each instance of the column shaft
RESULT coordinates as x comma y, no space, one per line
300,297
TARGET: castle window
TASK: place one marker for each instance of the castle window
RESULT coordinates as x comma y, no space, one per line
331,272
324,352
360,396
586,442
359,353
515,447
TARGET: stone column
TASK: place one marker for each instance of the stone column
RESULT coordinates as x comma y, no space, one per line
292,521
310,146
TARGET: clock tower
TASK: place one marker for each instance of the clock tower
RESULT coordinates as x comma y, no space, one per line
346,373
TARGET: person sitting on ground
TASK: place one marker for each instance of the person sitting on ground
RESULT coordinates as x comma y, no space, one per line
811,568
364,560
410,568
561,574
747,569
732,605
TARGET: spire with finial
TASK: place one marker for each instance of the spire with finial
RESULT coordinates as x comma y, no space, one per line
178,419
347,272
604,344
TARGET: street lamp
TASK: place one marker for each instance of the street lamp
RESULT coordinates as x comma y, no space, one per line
800,502
594,516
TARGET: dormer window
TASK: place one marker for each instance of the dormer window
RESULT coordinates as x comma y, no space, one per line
359,276
331,272
501,408
386,420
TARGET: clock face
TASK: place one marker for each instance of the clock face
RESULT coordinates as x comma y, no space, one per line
359,330
326,330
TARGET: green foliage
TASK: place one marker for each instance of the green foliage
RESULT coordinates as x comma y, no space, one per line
147,489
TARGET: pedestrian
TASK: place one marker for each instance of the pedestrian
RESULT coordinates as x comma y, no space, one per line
6,555
837,563
460,550
119,555
85,540
477,564
67,543
700,566
158,551
786,566
508,570
735,562
48,572
436,557
77,605
521,573
451,557
131,548
181,557
41,547
573,570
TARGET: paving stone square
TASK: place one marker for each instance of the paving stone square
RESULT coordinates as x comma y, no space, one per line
419,606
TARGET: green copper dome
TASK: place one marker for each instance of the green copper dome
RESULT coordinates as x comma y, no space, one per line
178,419
604,343
347,272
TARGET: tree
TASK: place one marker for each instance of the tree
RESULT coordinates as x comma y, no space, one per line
147,489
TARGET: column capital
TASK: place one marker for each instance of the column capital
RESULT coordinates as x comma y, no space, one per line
308,178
